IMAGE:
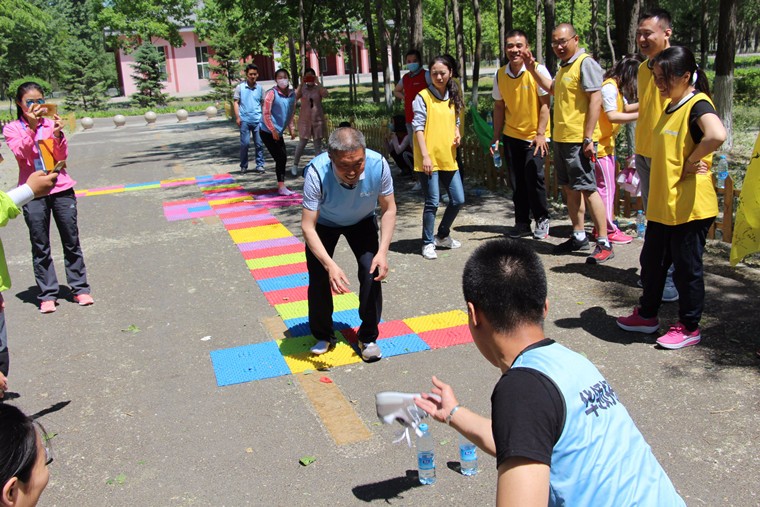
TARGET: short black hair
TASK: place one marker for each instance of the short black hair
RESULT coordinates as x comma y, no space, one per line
416,53
251,66
505,280
516,33
18,445
663,16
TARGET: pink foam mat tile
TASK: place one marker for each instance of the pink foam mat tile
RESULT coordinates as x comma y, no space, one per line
275,271
227,220
278,297
246,225
184,202
277,250
267,243
447,337
247,211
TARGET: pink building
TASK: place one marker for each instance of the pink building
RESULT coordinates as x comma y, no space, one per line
187,67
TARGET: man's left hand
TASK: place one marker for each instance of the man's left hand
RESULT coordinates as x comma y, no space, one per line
379,263
540,146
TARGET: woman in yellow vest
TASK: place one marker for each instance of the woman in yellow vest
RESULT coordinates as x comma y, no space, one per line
682,201
618,88
436,137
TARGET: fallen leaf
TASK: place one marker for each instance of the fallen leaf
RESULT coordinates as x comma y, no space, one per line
326,380
444,442
205,338
131,329
249,450
307,460
308,372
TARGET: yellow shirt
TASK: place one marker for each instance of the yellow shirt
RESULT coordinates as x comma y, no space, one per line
440,129
571,104
672,200
609,130
651,106
521,105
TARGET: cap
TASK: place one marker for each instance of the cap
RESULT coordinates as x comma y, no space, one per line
423,427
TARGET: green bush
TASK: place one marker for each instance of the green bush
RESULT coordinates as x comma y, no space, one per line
747,84
13,85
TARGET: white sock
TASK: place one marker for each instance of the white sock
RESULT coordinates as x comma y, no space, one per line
603,240
579,235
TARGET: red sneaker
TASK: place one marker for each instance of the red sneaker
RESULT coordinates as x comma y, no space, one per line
601,254
47,306
679,337
84,299
637,323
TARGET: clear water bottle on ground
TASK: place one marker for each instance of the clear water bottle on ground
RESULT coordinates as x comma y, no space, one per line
426,456
468,456
489,118
641,224
496,155
721,171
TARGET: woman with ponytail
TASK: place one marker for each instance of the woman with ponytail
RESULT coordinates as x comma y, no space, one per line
24,458
682,201
436,137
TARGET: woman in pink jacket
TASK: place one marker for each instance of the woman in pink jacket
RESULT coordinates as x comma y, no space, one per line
28,137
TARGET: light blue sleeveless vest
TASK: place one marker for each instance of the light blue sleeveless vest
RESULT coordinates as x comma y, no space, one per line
339,206
601,457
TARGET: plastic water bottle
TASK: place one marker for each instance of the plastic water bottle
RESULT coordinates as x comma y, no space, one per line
489,118
496,155
721,172
641,224
468,456
426,456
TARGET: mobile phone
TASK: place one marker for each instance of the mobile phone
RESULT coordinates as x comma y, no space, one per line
61,164
49,110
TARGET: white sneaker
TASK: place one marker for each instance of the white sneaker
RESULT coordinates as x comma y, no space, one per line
447,242
322,347
285,191
294,170
428,251
371,352
417,186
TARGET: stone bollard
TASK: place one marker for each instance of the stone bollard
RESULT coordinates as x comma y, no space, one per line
87,123
150,117
211,112
181,115
119,120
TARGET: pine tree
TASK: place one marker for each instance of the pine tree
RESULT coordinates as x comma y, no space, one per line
85,76
149,76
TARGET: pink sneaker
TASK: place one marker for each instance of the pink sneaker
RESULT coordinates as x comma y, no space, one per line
619,238
47,306
84,299
679,337
638,324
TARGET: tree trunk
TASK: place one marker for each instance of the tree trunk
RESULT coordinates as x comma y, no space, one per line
372,51
384,49
609,36
501,23
508,19
539,49
293,59
633,24
724,68
704,36
626,22
478,50
595,29
396,42
415,25
447,27
301,41
456,9
549,14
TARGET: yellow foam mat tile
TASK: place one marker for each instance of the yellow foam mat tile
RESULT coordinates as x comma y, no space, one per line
276,260
347,301
296,309
297,356
104,192
178,180
436,321
231,200
144,187
261,233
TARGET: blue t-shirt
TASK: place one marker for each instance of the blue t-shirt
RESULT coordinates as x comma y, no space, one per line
250,102
339,206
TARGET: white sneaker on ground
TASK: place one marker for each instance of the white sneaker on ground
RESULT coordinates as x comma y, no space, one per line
447,242
428,251
285,191
294,170
322,347
371,352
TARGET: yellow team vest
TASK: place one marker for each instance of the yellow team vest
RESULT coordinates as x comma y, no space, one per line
651,106
521,105
609,130
672,200
440,128
571,104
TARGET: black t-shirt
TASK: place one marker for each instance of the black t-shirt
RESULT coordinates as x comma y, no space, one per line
699,109
527,414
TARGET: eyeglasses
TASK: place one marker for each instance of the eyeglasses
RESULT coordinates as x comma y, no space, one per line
562,42
31,102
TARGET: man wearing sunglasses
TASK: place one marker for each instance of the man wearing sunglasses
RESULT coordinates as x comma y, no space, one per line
341,191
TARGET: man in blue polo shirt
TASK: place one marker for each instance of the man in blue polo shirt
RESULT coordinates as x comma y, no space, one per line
247,105
341,191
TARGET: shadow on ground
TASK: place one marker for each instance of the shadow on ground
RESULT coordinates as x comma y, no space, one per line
389,489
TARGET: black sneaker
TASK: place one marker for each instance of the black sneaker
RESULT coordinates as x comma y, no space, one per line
520,230
572,245
243,170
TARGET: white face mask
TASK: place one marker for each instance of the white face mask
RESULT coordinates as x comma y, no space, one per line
283,83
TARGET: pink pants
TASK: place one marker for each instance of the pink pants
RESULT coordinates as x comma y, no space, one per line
607,187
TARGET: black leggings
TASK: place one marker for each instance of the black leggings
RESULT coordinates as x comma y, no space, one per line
278,152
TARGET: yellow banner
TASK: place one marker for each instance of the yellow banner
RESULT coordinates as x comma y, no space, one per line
746,238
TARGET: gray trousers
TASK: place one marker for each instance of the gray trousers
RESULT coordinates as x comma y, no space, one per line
644,167
4,355
63,207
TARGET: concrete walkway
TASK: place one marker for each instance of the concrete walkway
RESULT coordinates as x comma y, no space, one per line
128,387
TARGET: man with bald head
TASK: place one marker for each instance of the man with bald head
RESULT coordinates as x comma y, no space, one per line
341,191
577,102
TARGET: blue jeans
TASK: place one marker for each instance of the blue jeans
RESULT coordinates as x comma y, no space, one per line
452,181
246,129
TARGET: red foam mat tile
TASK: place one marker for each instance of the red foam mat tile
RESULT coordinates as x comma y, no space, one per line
387,330
270,252
447,337
275,271
255,223
278,297
235,214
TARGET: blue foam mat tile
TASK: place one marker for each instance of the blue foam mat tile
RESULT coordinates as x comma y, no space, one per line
404,344
214,183
341,320
196,209
135,185
284,282
247,363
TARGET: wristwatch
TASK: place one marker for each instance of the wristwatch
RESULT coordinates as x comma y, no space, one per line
587,140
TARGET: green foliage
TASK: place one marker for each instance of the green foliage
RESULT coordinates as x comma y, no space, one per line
13,85
747,85
136,20
149,76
